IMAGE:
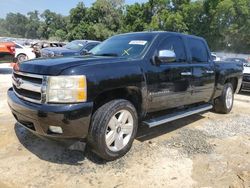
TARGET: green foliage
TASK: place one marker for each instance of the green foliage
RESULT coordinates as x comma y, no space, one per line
15,24
3,30
225,24
33,25
52,22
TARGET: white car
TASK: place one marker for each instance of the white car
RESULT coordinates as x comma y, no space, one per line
24,53
215,57
246,78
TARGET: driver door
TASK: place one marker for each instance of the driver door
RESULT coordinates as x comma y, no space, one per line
169,83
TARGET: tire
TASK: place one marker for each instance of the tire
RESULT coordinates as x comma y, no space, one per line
107,136
222,103
21,58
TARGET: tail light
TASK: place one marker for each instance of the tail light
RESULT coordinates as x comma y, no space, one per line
12,49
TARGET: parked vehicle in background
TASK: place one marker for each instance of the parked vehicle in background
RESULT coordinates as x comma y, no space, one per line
74,48
7,52
23,53
37,47
153,77
246,78
215,57
237,60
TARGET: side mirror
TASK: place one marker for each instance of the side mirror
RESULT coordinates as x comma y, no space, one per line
213,57
84,52
166,56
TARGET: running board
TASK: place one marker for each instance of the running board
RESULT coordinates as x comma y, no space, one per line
177,115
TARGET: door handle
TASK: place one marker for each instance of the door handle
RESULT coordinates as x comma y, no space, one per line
209,71
186,73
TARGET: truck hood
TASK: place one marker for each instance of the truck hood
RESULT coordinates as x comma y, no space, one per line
54,66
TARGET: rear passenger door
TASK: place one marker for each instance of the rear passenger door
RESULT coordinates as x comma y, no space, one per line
203,81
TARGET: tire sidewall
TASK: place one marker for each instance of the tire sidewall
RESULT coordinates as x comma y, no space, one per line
20,55
228,85
103,148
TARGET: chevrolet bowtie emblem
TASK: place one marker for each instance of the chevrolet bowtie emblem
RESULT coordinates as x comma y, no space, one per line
19,82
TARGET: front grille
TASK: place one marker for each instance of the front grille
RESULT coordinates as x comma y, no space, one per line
30,87
246,77
27,93
246,86
25,78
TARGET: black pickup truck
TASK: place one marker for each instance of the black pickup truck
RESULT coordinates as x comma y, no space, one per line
126,81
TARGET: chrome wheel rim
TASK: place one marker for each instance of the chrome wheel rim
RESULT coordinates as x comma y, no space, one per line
119,130
22,58
229,98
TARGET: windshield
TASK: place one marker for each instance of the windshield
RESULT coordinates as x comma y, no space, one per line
130,45
74,45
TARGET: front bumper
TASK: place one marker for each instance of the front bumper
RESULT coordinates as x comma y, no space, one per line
246,82
74,119
245,86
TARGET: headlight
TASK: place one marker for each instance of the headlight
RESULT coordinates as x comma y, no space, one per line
51,54
67,89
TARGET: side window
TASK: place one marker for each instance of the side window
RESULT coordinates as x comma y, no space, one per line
17,46
89,47
198,50
176,45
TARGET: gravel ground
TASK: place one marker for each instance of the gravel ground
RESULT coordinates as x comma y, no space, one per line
191,142
234,125
206,150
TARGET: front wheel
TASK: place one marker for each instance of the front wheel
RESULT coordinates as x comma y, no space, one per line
113,129
224,103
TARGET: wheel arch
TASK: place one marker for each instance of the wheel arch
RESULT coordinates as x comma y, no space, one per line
130,93
21,53
233,81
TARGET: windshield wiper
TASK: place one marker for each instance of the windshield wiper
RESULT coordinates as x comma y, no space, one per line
107,54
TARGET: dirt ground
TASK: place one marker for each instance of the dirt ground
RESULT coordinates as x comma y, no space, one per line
208,150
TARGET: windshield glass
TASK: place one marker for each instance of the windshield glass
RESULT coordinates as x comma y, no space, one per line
130,45
74,45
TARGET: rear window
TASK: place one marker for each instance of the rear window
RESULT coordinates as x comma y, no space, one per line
198,50
17,46
75,45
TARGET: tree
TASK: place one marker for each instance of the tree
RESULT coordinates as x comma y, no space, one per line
231,20
134,18
173,21
52,22
108,13
15,23
223,23
77,25
32,25
194,18
3,30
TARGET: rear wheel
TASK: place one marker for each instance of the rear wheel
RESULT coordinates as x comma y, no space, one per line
224,103
113,129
